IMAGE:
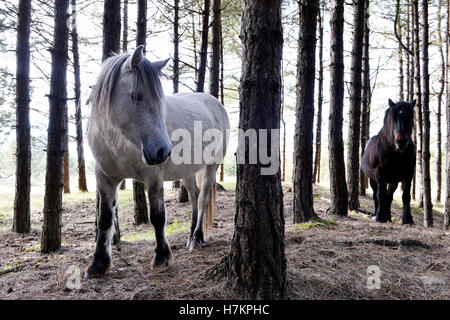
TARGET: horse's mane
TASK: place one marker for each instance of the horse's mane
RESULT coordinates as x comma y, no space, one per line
386,130
146,76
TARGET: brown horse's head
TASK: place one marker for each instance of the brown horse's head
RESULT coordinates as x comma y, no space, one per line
398,124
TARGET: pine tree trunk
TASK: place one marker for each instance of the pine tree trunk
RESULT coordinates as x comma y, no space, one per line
355,106
140,203
316,175
51,229
139,196
214,74
111,44
304,126
439,107
257,259
82,185
176,40
66,157
418,93
401,77
125,35
203,48
426,175
21,219
338,185
447,153
365,112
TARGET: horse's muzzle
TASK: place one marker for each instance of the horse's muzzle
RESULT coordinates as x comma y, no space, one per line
401,144
158,157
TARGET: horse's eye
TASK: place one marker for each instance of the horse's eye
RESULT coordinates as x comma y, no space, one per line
136,96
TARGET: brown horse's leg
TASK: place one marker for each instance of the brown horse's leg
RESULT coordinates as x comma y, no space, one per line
373,185
390,195
380,214
406,197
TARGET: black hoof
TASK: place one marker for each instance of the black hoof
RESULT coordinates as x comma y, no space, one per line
97,268
162,259
196,241
408,221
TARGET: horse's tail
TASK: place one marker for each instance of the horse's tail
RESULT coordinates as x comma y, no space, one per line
208,222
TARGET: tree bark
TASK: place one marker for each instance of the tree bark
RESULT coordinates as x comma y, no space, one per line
176,40
125,34
355,106
141,27
21,219
82,185
257,259
426,175
214,74
57,130
401,77
111,28
366,91
203,48
304,126
66,157
316,171
447,153
338,185
439,107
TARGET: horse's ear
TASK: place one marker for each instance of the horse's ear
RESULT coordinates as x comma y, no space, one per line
160,64
136,58
413,104
391,103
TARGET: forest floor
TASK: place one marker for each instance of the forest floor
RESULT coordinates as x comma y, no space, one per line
326,259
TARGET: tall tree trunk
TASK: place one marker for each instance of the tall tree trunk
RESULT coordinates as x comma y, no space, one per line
139,196
366,91
214,71
176,41
316,171
111,44
125,35
401,76
222,97
66,157
447,153
304,126
111,28
203,48
51,229
355,106
82,185
439,107
426,175
412,83
141,27
418,93
338,185
21,219
258,262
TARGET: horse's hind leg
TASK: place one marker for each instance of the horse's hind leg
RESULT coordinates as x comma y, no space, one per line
406,197
373,185
158,220
390,195
107,189
208,178
191,187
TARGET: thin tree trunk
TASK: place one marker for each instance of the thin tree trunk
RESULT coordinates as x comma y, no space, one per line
139,196
447,153
418,93
51,229
355,106
401,77
426,175
439,107
214,71
203,48
66,157
412,85
82,185
111,44
365,112
304,126
316,174
257,258
176,40
21,219
338,185
125,37
222,97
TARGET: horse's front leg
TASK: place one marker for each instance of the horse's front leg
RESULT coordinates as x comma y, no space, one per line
406,198
158,220
107,188
380,214
191,187
390,196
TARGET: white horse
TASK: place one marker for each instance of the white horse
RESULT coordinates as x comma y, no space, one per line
129,132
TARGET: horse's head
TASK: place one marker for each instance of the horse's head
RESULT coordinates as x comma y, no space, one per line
137,107
399,119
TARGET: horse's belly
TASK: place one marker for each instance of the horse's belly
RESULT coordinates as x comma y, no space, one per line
175,172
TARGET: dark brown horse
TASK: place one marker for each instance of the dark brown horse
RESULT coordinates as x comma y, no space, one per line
390,158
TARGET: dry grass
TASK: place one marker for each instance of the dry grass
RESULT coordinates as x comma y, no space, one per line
325,260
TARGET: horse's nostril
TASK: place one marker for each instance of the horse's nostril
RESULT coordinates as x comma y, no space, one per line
161,153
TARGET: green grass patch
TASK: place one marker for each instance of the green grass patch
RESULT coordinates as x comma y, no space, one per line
35,247
319,223
174,227
229,185
354,214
